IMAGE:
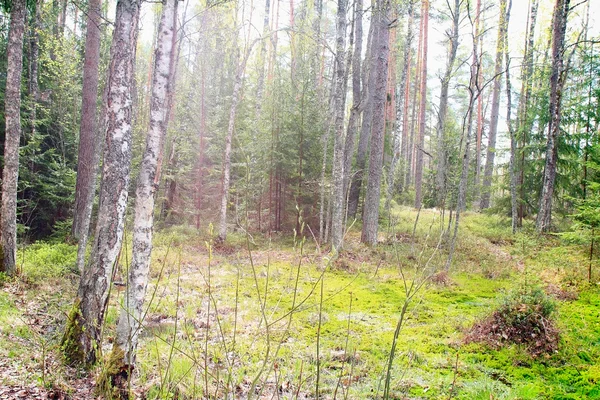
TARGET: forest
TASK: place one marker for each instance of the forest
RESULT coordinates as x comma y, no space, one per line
300,199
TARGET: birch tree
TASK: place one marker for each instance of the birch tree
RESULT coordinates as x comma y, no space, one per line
557,81
495,111
82,340
337,213
129,324
12,118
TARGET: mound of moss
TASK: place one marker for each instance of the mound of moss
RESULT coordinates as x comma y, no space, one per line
524,317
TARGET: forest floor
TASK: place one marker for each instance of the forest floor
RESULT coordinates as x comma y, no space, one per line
279,319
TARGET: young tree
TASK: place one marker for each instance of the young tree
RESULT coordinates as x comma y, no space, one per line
82,339
131,316
491,148
379,65
557,81
226,178
87,160
12,116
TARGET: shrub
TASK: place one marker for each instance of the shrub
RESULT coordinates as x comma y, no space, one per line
43,260
524,316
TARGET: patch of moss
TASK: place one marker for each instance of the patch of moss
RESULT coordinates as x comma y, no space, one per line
70,344
114,375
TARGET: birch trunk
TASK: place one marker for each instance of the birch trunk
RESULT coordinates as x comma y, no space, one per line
379,65
12,117
82,340
131,316
491,148
557,79
87,161
356,97
226,179
337,212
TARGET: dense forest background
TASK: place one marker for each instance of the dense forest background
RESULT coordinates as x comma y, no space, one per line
284,129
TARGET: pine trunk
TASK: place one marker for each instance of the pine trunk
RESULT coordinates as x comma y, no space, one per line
513,141
356,97
365,131
12,117
88,143
422,109
379,66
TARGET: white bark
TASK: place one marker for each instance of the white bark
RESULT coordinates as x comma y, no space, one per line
131,315
337,214
97,276
12,116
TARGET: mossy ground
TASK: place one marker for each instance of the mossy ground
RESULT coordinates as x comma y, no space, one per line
210,311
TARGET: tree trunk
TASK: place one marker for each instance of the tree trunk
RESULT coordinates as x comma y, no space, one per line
87,164
467,127
422,109
34,46
513,140
82,340
225,182
337,212
131,315
477,56
491,148
365,132
441,172
356,97
379,66
523,126
400,136
12,117
557,80
260,84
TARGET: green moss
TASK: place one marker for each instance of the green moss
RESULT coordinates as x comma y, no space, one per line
70,344
113,376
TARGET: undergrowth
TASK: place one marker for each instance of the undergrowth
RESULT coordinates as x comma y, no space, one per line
224,322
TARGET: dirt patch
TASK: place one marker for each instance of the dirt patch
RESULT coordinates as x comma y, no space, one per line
560,293
442,279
